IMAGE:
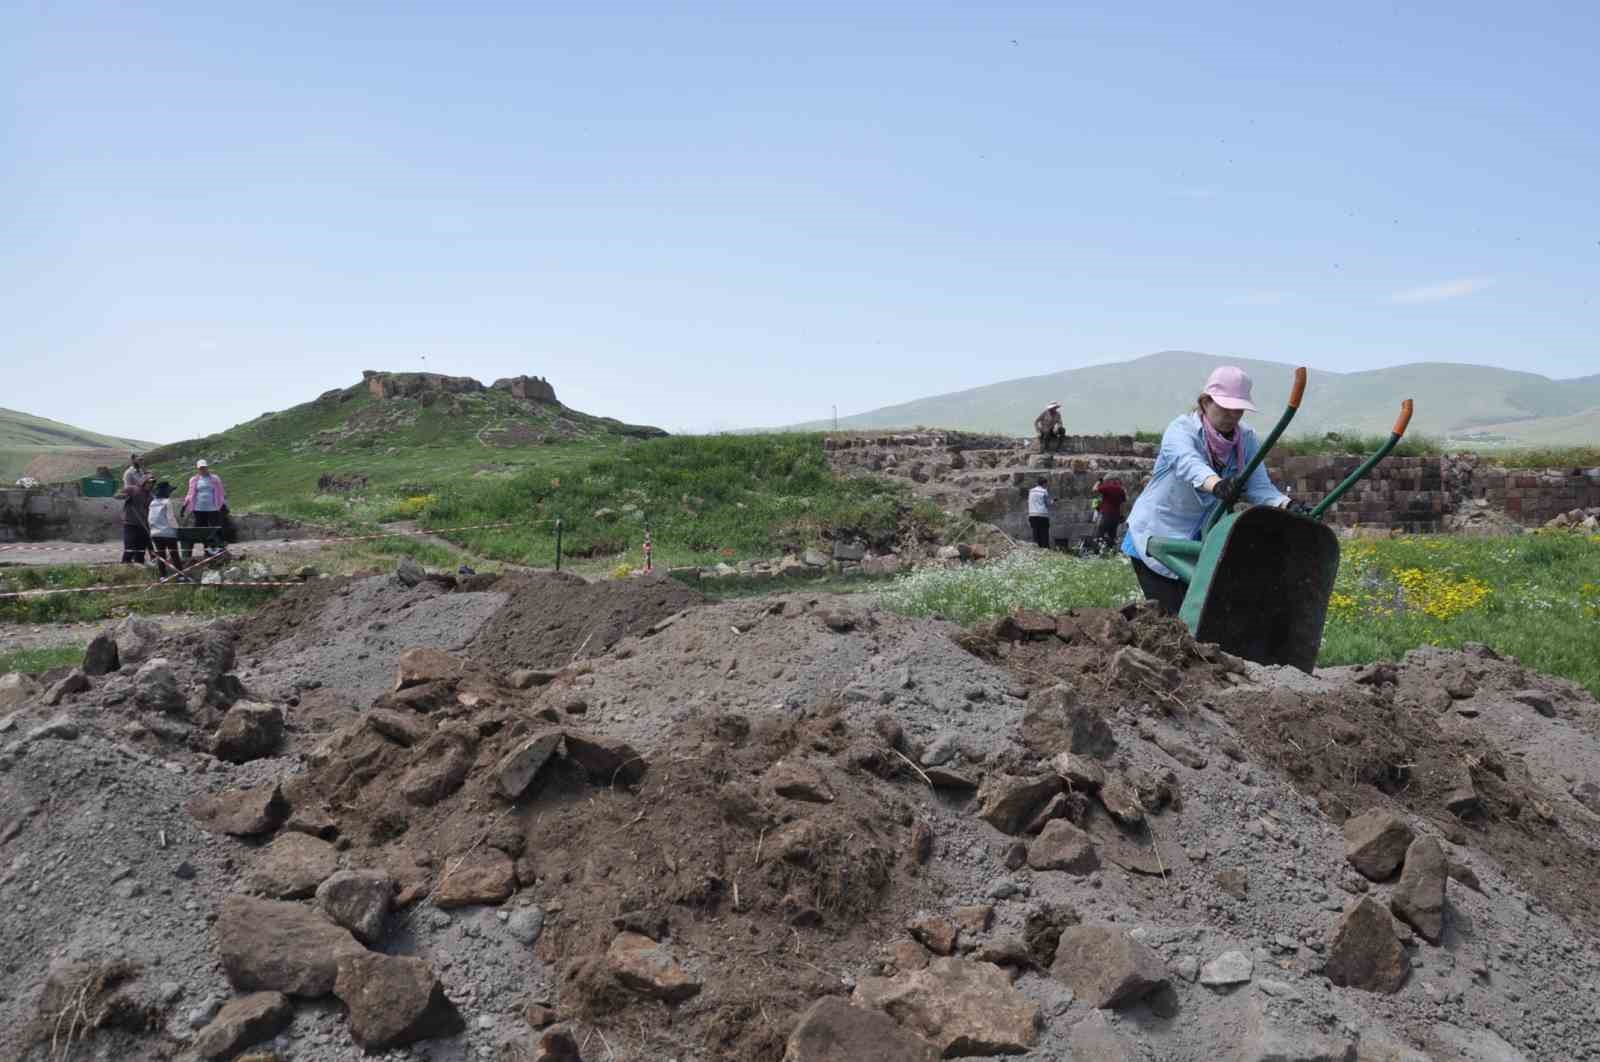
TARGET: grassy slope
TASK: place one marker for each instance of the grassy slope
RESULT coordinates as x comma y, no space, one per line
1147,392
24,436
1535,597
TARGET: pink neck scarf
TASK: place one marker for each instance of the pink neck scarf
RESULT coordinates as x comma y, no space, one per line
1218,444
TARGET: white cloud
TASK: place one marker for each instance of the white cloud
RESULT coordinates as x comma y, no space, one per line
1449,289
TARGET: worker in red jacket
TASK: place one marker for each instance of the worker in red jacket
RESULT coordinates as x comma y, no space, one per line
1110,503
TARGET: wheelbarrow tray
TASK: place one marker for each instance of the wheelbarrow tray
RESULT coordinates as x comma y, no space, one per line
1261,586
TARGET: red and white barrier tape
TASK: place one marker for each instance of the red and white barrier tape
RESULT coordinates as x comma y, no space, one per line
116,547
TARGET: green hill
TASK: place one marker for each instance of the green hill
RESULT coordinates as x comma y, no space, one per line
1452,401
25,437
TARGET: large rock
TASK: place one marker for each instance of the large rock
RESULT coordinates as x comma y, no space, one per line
101,658
794,780
1105,967
518,768
155,687
423,664
244,1021
241,812
1008,802
1375,842
74,681
439,765
280,946
607,761
359,901
641,965
1418,898
1062,846
831,1030
962,1007
1088,733
1121,799
249,731
1365,953
484,876
393,1000
292,866
137,639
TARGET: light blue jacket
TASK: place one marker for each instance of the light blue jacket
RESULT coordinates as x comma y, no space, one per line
1172,505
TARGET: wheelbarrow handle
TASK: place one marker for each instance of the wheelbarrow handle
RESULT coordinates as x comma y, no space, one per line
1296,393
1400,425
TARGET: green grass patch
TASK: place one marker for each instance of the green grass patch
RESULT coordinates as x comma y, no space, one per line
32,661
704,499
1535,597
131,597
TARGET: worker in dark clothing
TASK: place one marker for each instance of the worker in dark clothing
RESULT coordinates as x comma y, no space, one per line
1047,426
136,521
1109,506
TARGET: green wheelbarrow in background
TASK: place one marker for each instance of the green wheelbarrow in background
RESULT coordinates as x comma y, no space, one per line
1260,580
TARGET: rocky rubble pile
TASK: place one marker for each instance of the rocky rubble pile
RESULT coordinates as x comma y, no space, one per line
790,827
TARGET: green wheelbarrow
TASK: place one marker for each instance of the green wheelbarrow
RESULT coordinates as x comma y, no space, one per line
1259,580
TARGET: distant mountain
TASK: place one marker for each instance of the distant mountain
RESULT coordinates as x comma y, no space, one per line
25,438
1452,401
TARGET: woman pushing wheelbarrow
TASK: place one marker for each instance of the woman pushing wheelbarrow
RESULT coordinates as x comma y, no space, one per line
1203,453
1256,582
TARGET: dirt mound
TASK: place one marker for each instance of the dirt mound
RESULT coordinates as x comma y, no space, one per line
552,619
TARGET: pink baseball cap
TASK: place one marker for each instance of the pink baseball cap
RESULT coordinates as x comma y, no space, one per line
1229,387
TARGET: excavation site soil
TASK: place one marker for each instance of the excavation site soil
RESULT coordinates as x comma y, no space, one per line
413,816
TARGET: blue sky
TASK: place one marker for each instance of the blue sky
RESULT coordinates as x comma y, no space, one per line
709,217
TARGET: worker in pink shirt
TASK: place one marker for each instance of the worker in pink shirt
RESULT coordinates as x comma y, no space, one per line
207,501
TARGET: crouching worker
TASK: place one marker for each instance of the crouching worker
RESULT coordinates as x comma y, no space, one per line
164,529
1202,454
1047,426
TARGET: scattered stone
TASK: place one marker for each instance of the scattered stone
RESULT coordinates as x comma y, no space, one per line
946,778
484,876
393,1001
1179,749
1476,1045
1235,881
439,765
1105,967
424,664
1465,875
1463,801
155,687
137,639
240,812
1365,953
1375,842
313,821
526,925
1538,700
249,731
57,728
403,728
1095,1039
16,689
938,935
202,1013
1009,802
519,767
75,681
358,900
973,918
409,573
1062,846
100,658
244,1021
1078,772
962,1007
606,760
644,966
1229,968
1267,1040
525,678
1418,898
839,620
1142,669
794,780
280,946
292,866
1122,801
1088,733
831,1030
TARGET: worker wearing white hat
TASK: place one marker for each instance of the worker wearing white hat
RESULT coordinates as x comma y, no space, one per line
207,500
1047,426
